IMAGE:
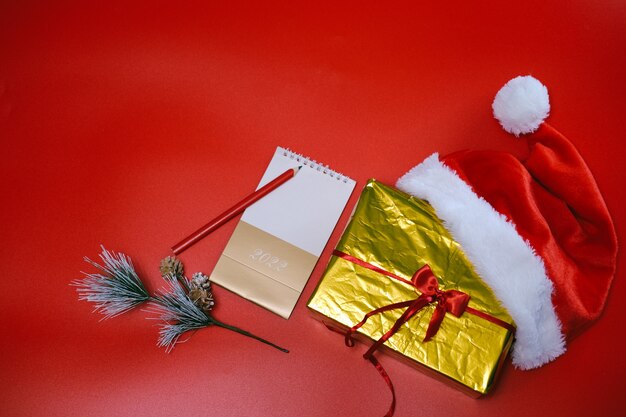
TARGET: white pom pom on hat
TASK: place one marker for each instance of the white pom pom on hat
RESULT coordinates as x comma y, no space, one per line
521,105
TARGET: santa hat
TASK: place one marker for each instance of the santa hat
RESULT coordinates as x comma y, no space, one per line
537,230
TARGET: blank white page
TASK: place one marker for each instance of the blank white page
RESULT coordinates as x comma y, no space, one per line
304,210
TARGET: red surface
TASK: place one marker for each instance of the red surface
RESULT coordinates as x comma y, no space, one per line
131,126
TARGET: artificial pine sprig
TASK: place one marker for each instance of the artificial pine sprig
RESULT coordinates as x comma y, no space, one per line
116,289
185,306
180,314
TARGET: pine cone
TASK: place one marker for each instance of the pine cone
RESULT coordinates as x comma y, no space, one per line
171,266
200,292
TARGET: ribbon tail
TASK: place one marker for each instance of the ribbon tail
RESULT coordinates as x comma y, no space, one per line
435,322
414,307
387,379
350,341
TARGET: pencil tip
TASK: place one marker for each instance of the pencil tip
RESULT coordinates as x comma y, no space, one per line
296,169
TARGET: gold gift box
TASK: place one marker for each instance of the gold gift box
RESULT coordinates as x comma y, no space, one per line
400,233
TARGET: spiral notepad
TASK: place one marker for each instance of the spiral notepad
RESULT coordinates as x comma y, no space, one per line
279,239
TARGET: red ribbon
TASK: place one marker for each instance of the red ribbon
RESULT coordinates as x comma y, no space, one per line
424,281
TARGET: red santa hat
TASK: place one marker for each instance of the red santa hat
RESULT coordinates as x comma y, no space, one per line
536,230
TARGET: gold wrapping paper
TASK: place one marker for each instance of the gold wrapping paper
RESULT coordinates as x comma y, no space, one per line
400,233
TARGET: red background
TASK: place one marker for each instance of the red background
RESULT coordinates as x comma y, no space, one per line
132,125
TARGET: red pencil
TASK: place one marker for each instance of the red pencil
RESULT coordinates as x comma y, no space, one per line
234,210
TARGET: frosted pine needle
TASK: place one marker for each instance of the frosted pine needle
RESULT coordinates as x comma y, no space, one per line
177,313
116,289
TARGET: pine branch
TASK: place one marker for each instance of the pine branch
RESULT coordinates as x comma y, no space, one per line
116,290
179,313
185,306
246,333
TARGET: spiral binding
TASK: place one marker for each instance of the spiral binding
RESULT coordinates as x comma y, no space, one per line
315,165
